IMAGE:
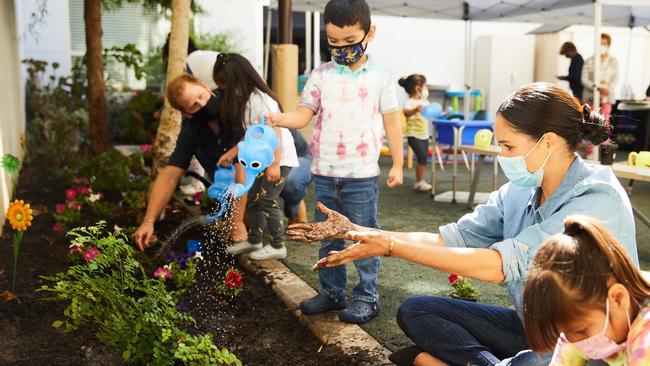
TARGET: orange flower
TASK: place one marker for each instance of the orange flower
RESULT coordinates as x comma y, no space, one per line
19,215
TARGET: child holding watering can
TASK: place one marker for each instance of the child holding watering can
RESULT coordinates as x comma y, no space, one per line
246,97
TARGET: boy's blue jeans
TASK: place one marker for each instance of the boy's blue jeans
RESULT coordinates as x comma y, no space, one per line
460,332
355,198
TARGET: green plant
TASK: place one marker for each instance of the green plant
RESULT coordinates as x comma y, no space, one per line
233,284
130,311
137,123
113,172
11,165
462,287
220,42
57,127
130,56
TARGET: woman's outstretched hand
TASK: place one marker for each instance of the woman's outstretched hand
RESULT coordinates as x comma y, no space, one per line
335,226
366,244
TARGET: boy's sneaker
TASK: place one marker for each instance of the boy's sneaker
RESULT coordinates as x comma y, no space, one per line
243,247
322,303
422,186
359,312
268,252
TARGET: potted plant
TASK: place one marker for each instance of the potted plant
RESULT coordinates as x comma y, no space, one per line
462,288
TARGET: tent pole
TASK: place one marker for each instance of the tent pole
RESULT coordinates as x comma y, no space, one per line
598,14
468,61
308,42
316,38
267,42
598,8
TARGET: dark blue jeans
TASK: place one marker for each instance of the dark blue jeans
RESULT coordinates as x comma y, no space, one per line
295,186
460,332
357,200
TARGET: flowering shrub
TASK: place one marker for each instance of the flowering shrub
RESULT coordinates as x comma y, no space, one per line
462,287
137,123
68,214
232,284
132,312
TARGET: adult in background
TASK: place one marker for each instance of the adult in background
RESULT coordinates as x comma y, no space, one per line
608,77
574,77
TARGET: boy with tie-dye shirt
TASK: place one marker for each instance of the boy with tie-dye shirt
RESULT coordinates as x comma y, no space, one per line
353,100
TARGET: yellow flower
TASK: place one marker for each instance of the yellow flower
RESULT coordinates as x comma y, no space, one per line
19,215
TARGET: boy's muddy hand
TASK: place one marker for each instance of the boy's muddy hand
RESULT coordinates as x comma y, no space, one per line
336,226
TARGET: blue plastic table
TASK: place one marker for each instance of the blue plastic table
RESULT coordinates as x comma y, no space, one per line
454,133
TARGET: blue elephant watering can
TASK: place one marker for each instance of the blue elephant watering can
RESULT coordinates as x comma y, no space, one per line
256,153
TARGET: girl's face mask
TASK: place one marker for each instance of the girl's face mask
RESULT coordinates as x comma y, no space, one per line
599,346
515,169
349,54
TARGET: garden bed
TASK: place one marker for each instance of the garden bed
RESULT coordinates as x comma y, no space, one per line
255,326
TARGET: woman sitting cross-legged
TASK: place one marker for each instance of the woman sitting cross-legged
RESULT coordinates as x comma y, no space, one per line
538,128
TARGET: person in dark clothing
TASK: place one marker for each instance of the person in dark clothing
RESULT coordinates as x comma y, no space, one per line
569,50
295,186
204,135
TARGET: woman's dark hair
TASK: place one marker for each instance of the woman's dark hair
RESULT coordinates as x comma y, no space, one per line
538,108
570,274
568,47
237,79
348,12
412,81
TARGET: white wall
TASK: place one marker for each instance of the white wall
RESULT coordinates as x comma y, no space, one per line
434,48
242,18
12,96
50,40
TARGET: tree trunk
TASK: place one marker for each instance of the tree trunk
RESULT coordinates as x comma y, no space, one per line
95,76
170,120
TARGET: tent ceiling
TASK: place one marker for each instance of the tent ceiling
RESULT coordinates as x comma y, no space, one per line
556,12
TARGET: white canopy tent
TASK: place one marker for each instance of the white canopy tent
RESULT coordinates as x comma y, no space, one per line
559,13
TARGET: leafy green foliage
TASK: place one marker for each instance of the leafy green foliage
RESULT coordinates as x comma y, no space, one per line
130,311
56,112
462,287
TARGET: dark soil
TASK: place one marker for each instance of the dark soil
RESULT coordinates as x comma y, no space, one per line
256,326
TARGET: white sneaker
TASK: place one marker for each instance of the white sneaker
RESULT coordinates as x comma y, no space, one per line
243,247
416,186
268,252
423,186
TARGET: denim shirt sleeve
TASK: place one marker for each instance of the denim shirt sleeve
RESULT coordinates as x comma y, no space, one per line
518,252
480,228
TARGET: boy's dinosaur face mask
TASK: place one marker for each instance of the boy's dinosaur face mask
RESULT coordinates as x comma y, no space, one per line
349,54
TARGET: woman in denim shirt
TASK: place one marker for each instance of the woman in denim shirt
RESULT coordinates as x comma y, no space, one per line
538,128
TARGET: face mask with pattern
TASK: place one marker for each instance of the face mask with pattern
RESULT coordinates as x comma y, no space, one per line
349,54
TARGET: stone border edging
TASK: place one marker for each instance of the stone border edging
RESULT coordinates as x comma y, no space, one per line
351,339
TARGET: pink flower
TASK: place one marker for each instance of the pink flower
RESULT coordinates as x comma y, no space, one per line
145,148
84,190
76,248
453,278
60,207
57,228
91,254
70,193
163,273
74,205
101,194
